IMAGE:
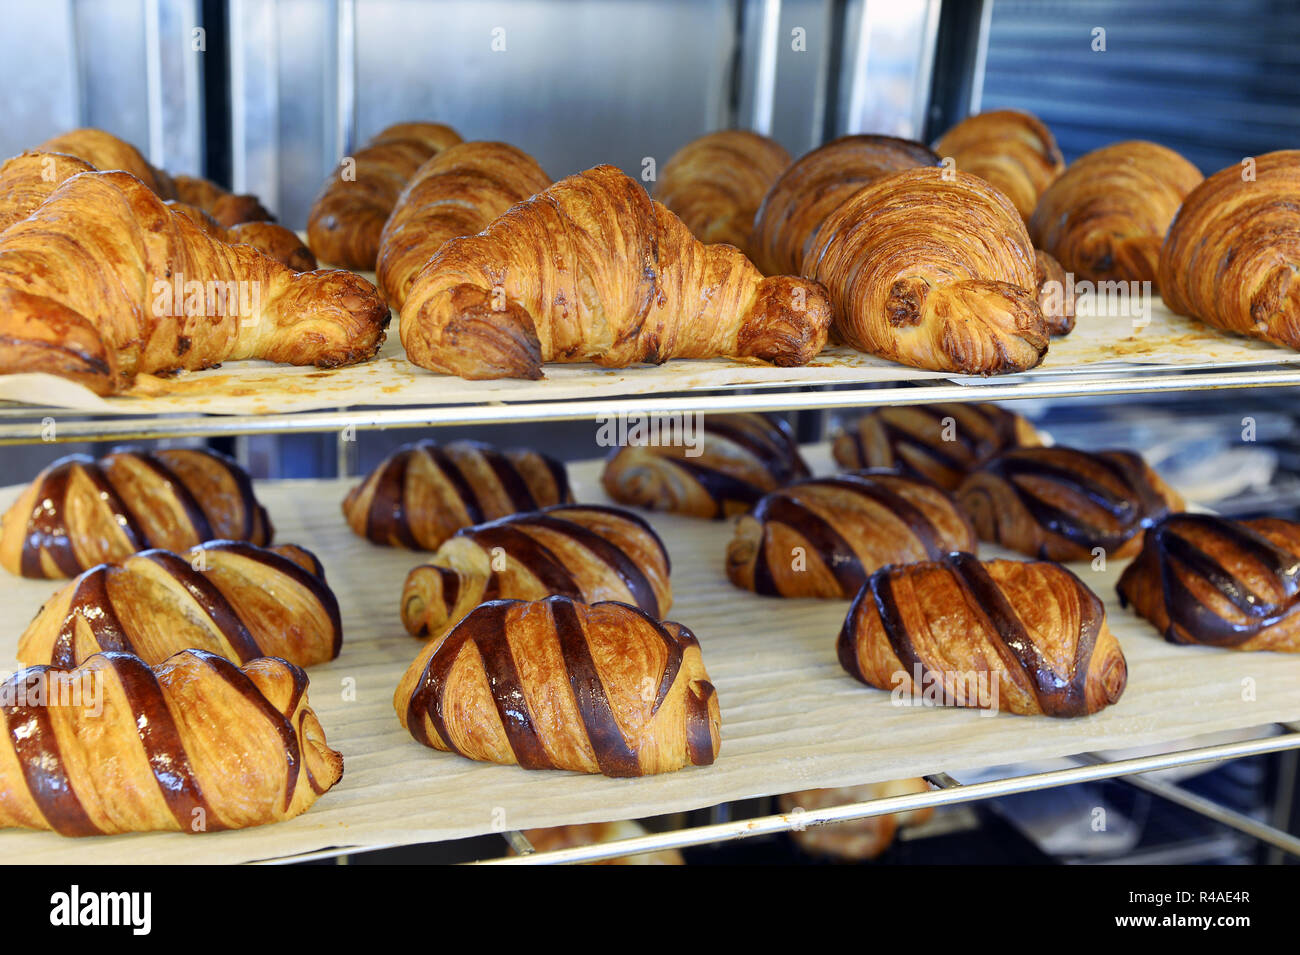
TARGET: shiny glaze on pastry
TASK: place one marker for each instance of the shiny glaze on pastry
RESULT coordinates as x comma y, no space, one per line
1011,149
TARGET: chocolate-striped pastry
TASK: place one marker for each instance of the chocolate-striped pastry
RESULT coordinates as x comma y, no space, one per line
1025,637
738,459
424,492
558,684
1063,504
226,597
1209,580
941,442
588,552
80,512
194,744
824,537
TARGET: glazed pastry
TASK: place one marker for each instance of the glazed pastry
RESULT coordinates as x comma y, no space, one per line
1009,148
93,288
1063,504
424,492
29,179
715,184
104,151
588,552
824,537
349,213
592,269
740,458
225,207
559,684
227,597
80,511
457,192
1209,580
792,212
195,744
934,271
591,833
939,442
858,839
1106,216
1026,638
268,238
1233,251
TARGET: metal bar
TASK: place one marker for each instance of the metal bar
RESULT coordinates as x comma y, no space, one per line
519,842
769,40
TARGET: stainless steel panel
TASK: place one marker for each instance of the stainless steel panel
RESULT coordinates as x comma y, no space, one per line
887,59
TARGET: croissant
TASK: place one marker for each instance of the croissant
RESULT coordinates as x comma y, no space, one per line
28,180
858,839
824,537
1026,638
104,282
792,212
228,209
104,151
192,745
1011,149
558,684
592,269
1232,253
933,270
1206,579
735,461
1106,216
457,192
424,492
273,240
80,512
588,552
1063,504
349,213
940,442
227,597
716,183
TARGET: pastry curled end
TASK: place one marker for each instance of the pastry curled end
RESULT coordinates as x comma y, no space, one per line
481,335
1055,293
38,334
787,323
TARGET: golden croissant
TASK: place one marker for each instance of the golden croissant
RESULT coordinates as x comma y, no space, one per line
935,270
104,282
824,537
1106,216
348,215
1011,149
558,684
584,551
1022,637
81,511
194,744
592,269
1233,252
715,184
227,209
457,192
273,240
735,461
1204,579
227,597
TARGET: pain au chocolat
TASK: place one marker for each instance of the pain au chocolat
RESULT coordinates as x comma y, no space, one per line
82,511
1022,637
824,537
1209,580
1064,504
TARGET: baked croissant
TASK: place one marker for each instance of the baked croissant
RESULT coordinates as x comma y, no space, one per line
194,744
457,192
227,597
934,270
81,511
1009,148
558,684
104,151
1106,216
1233,251
1209,580
29,179
716,183
1022,637
824,537
424,492
273,240
226,208
349,213
104,282
735,461
592,269
588,552
792,212
1063,504
940,442
858,839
